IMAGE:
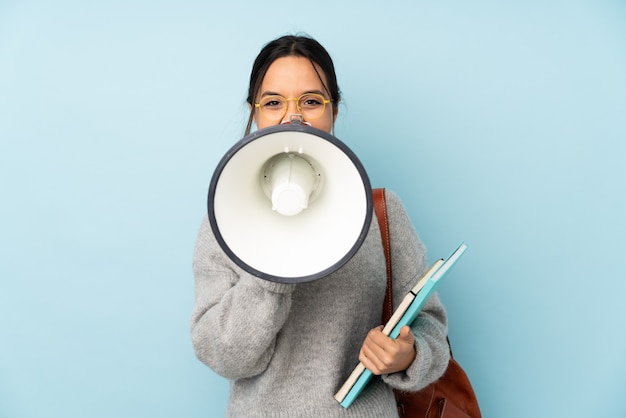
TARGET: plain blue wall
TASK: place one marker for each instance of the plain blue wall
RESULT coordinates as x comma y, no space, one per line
499,123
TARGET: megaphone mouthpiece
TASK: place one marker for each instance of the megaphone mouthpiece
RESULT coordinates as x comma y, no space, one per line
296,119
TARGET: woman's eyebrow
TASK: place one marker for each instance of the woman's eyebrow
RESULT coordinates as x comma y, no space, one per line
270,93
320,92
273,93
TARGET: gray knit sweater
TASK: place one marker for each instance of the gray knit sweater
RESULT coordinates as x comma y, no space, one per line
288,348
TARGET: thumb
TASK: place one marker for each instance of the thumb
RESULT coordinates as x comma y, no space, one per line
406,336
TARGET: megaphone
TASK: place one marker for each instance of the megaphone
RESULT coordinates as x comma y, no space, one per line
290,203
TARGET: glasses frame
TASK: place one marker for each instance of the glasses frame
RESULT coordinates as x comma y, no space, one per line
324,101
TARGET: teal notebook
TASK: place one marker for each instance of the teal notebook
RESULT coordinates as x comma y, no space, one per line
407,319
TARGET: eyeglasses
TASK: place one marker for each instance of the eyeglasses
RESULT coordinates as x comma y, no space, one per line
310,105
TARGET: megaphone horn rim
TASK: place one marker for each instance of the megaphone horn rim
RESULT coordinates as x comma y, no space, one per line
290,128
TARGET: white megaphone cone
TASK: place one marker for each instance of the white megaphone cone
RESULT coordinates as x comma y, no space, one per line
290,203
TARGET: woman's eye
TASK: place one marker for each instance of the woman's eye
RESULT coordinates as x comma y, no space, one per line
272,103
311,102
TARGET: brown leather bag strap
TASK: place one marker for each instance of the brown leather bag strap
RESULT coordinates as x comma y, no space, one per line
380,207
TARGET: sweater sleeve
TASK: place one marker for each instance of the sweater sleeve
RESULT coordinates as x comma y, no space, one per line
236,316
408,256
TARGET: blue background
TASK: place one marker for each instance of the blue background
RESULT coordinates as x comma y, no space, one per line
501,124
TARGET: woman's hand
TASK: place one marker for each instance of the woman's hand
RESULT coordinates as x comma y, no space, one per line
383,355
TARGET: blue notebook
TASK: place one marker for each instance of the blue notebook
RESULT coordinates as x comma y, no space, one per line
416,305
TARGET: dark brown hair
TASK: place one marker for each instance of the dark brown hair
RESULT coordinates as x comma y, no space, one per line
292,45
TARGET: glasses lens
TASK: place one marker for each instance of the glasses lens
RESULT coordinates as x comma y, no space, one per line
311,106
273,107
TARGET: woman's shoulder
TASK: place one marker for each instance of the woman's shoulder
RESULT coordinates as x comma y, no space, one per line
393,201
399,218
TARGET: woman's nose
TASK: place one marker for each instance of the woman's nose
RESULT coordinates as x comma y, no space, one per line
292,109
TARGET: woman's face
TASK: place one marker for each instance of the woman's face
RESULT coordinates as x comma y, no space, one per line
291,77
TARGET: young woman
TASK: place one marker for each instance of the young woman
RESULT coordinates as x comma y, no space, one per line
287,348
